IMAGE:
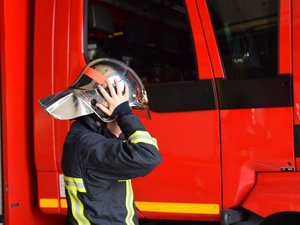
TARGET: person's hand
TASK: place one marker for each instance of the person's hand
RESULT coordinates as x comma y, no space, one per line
115,98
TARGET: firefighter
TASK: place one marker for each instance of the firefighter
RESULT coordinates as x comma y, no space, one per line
106,146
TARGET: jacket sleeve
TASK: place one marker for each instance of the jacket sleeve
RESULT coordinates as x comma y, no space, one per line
117,159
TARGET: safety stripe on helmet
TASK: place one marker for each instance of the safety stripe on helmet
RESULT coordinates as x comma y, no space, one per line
142,136
129,203
73,186
95,75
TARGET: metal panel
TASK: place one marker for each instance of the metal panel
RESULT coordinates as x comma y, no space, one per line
1,187
1,190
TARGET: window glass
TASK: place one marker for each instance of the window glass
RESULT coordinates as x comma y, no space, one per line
151,36
247,34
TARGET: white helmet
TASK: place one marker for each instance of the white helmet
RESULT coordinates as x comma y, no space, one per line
80,99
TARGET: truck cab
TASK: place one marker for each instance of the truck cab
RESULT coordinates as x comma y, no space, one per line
223,86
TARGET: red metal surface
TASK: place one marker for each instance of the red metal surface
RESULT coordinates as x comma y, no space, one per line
279,191
61,68
43,85
296,64
285,38
48,188
190,172
210,39
203,62
251,139
20,192
58,53
296,60
185,158
76,60
253,142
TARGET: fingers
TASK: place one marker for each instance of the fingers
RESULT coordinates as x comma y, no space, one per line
104,109
113,91
104,93
111,88
117,96
118,88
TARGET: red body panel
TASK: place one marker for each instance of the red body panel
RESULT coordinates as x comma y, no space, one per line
252,142
20,189
193,158
212,159
267,187
190,172
210,39
285,38
203,62
60,62
296,66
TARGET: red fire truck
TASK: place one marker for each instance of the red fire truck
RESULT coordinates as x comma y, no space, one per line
223,82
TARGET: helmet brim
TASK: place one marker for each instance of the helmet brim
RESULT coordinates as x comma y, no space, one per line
65,105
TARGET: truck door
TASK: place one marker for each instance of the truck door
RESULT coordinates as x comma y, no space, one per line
164,44
254,92
184,119
154,38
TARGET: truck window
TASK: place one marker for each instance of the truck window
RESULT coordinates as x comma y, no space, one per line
247,35
153,37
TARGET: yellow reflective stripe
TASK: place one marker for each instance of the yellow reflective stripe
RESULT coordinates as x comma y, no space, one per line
74,184
63,203
73,179
48,203
169,207
77,208
155,142
75,188
142,136
129,203
144,141
139,133
163,207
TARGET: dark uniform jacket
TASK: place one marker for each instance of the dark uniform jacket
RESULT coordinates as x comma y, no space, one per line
98,167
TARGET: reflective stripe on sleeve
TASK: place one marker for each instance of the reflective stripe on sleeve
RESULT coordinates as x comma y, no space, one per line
144,137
